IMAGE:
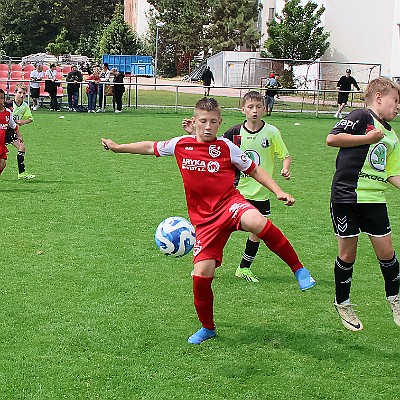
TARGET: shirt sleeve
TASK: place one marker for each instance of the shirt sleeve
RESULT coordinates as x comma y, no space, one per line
354,82
393,161
354,123
12,123
166,147
280,148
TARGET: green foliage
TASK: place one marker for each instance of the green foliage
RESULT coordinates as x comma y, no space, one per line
28,25
89,44
298,35
61,45
233,24
118,37
182,33
193,26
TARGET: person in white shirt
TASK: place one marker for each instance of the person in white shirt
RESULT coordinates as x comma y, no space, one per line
35,77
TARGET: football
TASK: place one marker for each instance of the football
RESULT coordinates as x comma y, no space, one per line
175,236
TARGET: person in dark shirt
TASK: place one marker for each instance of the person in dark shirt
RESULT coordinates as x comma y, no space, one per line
344,87
74,78
367,161
207,77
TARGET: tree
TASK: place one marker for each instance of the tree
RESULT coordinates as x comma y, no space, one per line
27,25
298,35
193,26
233,23
61,45
182,33
118,37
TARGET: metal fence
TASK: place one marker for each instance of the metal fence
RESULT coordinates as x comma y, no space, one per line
177,95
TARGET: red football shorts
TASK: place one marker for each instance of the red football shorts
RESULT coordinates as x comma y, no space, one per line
211,237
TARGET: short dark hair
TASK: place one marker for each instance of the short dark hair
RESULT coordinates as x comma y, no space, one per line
348,71
207,104
252,95
2,91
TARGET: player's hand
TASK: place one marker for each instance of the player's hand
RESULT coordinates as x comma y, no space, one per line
373,135
285,173
187,125
286,197
108,144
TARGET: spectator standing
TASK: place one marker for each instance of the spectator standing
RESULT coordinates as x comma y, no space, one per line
51,86
74,78
36,76
104,77
92,89
119,89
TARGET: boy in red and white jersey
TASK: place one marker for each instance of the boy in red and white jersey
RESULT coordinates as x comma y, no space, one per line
6,120
216,208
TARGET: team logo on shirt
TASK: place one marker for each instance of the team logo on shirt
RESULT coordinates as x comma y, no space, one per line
214,150
253,155
265,143
377,157
213,166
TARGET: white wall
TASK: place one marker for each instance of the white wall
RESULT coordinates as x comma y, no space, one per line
142,24
362,31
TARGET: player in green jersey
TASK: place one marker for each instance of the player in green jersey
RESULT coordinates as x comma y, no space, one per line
368,159
260,141
22,116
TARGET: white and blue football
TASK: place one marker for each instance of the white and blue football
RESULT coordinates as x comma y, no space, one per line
175,236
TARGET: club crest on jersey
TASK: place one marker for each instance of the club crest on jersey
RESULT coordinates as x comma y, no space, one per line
377,157
197,248
253,155
214,151
213,166
265,143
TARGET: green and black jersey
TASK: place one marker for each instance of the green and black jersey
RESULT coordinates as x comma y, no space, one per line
21,112
362,171
261,146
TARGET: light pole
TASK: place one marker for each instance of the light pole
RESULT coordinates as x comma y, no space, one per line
158,25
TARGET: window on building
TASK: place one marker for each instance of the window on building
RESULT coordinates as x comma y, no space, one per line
271,14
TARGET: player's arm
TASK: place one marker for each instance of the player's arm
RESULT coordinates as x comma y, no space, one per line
285,171
347,140
262,177
21,122
145,148
395,181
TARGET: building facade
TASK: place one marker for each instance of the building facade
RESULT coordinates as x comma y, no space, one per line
361,31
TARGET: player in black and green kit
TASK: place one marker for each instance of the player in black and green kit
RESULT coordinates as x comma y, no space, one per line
368,159
261,142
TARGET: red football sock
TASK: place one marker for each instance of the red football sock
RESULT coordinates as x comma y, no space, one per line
203,300
277,242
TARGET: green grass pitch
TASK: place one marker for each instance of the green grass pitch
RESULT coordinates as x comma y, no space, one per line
91,310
